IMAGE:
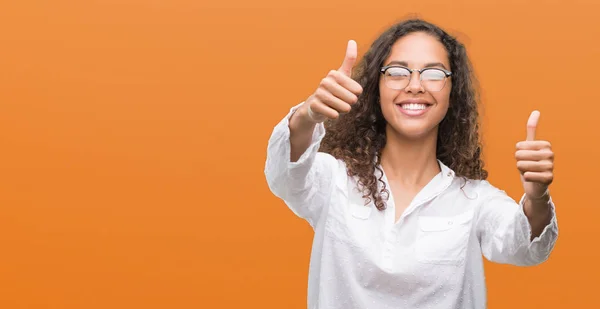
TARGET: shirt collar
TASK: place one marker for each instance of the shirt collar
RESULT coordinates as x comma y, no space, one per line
439,183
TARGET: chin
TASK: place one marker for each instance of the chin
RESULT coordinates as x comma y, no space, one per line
412,132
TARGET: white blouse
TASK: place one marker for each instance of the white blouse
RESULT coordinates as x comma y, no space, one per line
430,258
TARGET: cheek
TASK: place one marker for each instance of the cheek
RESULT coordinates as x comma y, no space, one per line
386,94
442,98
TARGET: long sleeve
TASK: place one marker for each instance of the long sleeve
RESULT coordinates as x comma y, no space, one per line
305,185
505,233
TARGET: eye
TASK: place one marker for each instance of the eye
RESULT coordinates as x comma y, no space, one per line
398,73
433,75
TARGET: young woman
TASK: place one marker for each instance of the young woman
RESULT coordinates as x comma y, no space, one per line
385,164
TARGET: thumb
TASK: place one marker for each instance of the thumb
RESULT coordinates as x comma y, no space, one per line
350,58
532,125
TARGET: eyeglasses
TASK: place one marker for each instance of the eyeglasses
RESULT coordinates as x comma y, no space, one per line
398,77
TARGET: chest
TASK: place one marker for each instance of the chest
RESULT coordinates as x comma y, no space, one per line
436,229
402,197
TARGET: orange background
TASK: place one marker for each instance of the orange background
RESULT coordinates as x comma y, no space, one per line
133,136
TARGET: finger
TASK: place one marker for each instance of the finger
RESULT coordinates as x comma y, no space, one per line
320,108
338,91
330,100
315,116
533,145
535,166
350,58
347,82
532,125
534,155
539,177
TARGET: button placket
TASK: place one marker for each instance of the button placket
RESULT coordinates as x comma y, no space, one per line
388,249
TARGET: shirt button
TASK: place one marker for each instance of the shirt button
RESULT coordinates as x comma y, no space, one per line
450,222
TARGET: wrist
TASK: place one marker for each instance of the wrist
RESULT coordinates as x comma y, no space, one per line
543,198
539,205
300,120
302,117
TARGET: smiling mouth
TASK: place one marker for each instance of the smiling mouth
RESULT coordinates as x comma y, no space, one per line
413,106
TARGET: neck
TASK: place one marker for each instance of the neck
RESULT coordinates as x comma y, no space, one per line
410,161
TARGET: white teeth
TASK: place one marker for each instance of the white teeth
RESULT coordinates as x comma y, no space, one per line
413,106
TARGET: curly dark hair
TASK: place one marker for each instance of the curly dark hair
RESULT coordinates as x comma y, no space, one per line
358,137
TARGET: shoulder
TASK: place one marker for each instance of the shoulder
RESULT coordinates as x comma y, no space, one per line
337,166
340,173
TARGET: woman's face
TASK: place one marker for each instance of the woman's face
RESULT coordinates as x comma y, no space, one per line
415,111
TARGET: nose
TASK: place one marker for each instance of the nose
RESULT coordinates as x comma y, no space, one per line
414,84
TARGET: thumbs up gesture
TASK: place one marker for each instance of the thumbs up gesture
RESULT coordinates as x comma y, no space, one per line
336,92
535,161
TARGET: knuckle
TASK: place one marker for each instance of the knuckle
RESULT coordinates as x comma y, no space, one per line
317,94
313,106
320,93
519,145
312,101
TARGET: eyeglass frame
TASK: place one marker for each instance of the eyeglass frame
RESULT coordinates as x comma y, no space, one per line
411,71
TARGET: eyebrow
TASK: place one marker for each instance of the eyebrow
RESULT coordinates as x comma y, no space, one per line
427,65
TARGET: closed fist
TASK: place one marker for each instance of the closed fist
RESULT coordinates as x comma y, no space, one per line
337,92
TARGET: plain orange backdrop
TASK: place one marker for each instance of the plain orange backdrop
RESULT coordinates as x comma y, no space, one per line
133,137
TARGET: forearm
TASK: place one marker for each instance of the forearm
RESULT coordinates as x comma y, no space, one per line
538,213
301,131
